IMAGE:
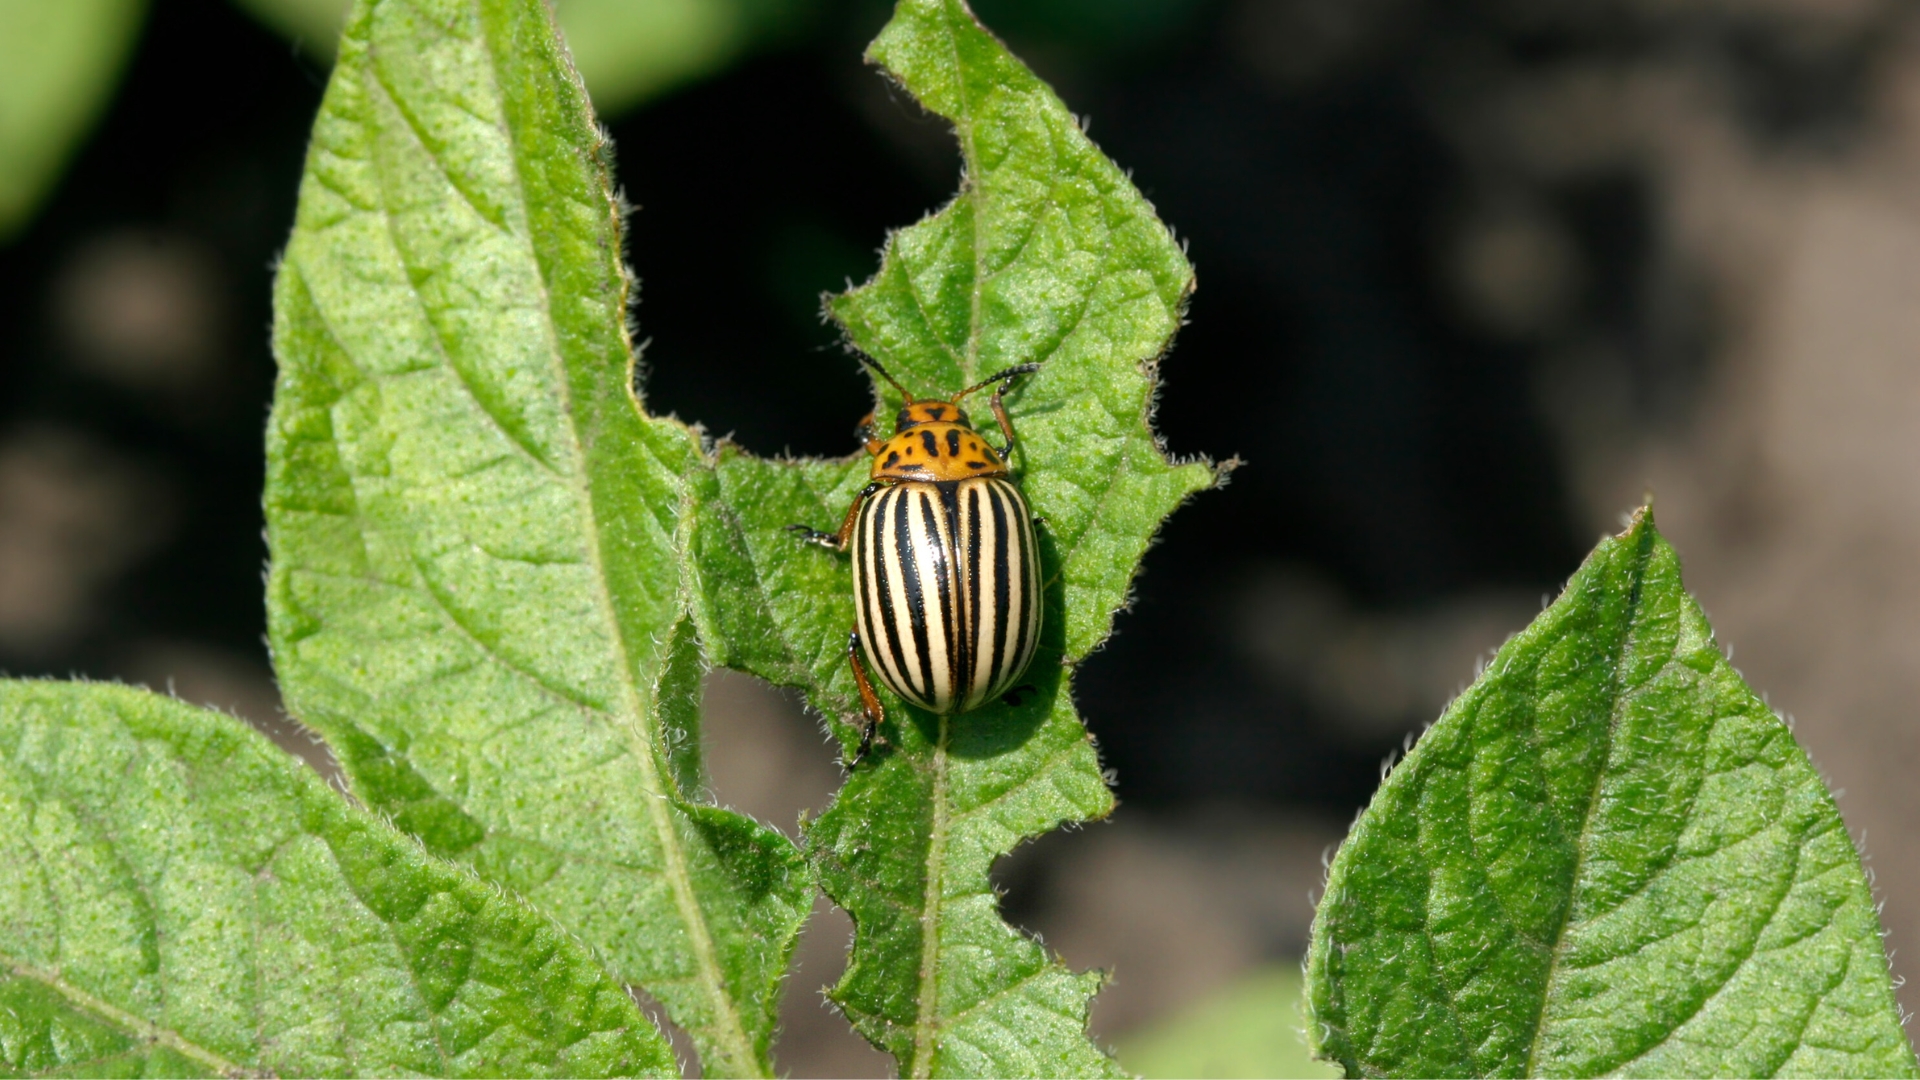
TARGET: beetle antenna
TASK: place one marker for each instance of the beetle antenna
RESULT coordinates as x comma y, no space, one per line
1001,377
885,374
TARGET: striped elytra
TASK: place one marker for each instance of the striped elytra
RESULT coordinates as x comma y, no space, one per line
947,590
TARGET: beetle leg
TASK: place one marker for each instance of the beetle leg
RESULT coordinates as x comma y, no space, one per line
869,701
1005,379
869,436
1012,697
837,541
1001,377
811,535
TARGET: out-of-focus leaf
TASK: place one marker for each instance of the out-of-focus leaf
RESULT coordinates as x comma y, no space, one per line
627,50
631,50
181,898
1609,857
1048,254
59,62
476,591
314,24
1251,1028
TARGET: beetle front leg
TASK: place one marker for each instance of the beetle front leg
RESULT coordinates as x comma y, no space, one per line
1006,426
869,435
837,541
869,701
1005,379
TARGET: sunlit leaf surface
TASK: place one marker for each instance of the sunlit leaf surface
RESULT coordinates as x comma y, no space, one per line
1609,857
1047,254
476,583
181,898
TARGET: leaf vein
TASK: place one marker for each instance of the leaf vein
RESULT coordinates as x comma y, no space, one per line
127,1022
1584,841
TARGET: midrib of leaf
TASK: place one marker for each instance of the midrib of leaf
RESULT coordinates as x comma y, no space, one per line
637,724
929,999
995,1002
1556,953
969,149
126,1021
927,1024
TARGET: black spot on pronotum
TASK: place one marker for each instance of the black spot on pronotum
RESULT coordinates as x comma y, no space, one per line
976,464
932,445
892,460
953,442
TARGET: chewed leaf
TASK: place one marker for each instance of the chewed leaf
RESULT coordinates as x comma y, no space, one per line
184,899
477,592
1609,857
1048,255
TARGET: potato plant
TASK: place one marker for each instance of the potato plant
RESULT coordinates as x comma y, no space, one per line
497,580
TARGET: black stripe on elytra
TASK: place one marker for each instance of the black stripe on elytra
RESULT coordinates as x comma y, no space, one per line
889,625
916,596
933,506
959,648
863,578
1002,583
974,654
1022,529
880,636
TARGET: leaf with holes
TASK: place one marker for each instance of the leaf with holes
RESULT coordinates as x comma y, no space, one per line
1047,255
1609,857
184,899
476,590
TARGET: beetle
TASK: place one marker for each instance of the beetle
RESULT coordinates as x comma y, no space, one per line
946,567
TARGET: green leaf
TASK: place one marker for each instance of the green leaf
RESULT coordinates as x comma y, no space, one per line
314,24
475,590
58,66
1048,254
1609,857
183,899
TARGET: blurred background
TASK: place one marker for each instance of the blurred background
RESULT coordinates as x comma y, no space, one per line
1475,276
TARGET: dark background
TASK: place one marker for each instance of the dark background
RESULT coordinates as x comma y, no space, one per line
1389,443
1448,298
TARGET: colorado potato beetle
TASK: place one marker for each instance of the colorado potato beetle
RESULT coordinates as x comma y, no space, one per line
946,567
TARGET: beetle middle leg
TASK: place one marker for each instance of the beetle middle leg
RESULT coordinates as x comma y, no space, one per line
869,701
837,541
